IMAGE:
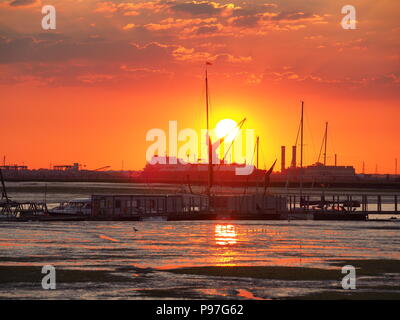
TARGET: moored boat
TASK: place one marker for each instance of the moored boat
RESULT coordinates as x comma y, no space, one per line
77,206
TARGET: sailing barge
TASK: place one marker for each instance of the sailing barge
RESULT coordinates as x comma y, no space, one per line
206,206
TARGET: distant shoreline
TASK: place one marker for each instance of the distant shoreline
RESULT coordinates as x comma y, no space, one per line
395,186
140,187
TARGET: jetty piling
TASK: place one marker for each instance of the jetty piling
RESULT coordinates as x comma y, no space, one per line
345,203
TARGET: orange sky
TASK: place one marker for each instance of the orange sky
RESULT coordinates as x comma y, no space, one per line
89,91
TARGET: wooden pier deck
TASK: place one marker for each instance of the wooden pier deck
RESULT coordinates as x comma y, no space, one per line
354,207
370,204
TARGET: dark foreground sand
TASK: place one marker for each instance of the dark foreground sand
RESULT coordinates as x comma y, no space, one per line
12,276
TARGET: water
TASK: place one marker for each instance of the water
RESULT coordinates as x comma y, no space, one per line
132,264
226,259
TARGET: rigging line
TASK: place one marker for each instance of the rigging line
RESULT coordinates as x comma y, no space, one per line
247,179
264,157
224,156
309,128
209,105
331,140
201,106
240,124
202,121
226,153
320,150
298,133
261,150
248,176
188,171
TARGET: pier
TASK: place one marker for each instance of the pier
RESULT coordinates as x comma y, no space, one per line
344,205
17,209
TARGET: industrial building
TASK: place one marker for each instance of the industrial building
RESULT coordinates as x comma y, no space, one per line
318,172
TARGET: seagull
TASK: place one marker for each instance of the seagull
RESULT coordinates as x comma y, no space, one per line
134,229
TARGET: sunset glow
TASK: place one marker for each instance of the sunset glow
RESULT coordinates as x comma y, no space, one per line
226,128
225,234
89,91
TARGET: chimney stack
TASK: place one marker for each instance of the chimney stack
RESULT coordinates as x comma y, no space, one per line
283,160
294,157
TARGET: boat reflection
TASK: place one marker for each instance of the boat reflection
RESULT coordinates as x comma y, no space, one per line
225,234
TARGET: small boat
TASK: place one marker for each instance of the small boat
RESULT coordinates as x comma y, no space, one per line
78,206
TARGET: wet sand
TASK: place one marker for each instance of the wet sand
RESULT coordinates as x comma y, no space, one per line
14,276
199,260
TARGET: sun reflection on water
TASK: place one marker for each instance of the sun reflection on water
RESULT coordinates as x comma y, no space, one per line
225,237
225,234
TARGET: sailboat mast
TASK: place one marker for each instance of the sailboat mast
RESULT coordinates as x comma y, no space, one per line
207,100
257,152
301,150
326,141
301,134
210,164
258,144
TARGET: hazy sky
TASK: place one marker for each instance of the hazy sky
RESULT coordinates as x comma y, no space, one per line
89,91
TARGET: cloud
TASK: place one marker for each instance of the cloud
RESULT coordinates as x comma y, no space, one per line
207,29
181,53
204,8
196,8
23,49
95,78
130,8
142,72
128,26
53,36
206,19
108,7
172,34
170,23
78,73
294,17
285,74
245,21
23,3
57,60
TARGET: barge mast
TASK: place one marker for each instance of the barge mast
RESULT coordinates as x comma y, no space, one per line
210,164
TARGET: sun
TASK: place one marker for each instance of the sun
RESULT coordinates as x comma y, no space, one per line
228,128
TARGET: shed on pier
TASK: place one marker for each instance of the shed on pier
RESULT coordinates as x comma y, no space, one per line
126,205
248,204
